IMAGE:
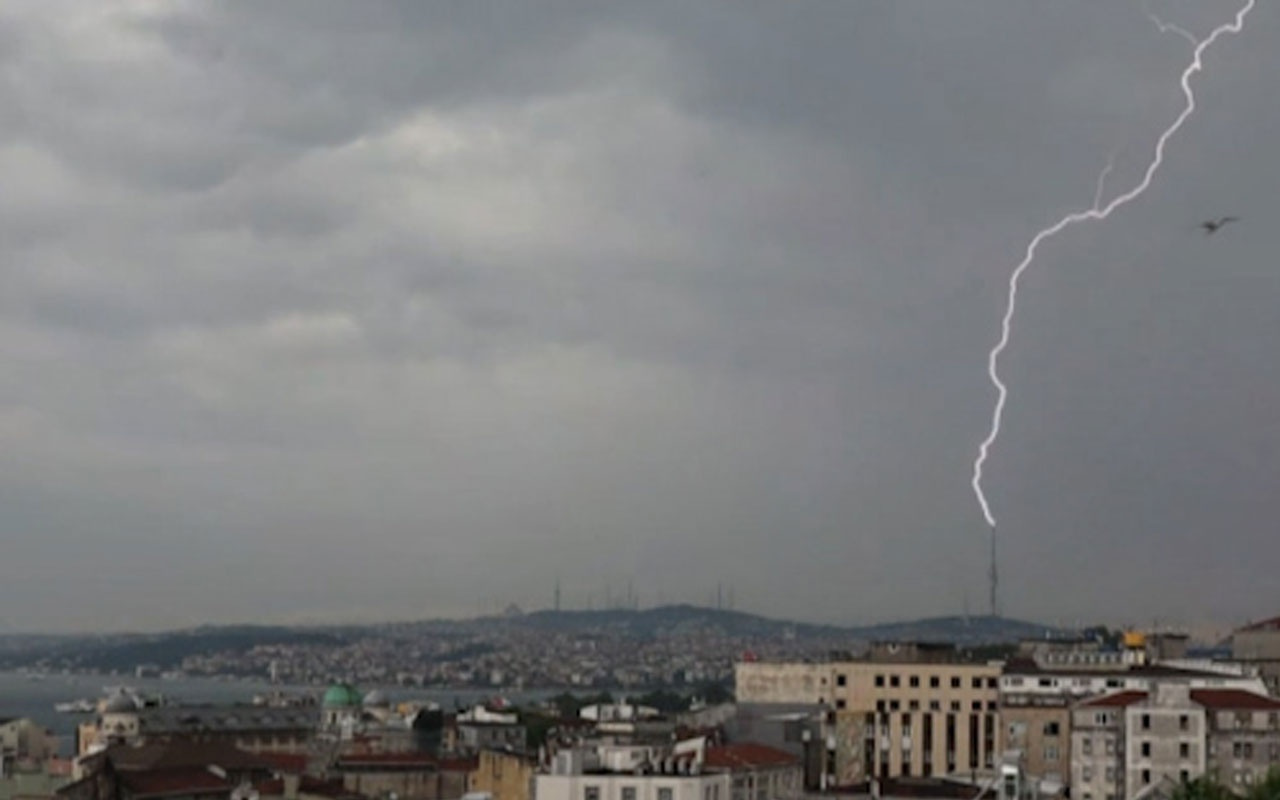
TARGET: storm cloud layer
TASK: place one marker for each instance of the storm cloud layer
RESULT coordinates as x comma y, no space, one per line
328,311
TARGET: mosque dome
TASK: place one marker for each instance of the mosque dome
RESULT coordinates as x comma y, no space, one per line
341,695
120,703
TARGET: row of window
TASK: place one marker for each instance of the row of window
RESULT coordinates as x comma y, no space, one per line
934,705
935,681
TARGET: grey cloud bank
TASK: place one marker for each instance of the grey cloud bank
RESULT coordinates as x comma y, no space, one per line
383,310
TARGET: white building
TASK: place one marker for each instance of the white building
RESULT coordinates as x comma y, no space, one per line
690,770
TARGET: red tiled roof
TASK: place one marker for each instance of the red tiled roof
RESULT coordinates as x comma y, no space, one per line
748,755
187,780
1272,624
1232,699
308,785
389,759
285,762
468,764
1117,700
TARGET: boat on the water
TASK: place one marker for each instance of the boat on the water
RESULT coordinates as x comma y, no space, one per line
75,707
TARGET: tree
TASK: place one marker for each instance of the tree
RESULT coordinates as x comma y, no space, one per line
1206,787
1268,788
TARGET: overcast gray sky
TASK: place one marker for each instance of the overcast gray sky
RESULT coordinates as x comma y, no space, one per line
331,310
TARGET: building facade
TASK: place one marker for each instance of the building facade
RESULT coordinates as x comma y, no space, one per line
907,710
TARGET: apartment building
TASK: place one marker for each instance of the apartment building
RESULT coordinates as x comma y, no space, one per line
689,770
1037,693
1097,746
1244,735
1124,743
905,710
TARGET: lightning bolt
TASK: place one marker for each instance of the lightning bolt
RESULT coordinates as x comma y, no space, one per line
1097,213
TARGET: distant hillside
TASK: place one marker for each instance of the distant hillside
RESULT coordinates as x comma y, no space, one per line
162,650
665,620
669,620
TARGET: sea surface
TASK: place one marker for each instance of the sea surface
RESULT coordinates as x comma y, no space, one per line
23,696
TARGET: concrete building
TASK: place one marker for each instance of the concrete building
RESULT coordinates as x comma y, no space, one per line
1039,728
905,710
123,720
1131,742
1259,645
689,770
504,775
1164,738
1037,692
1244,735
24,743
1097,746
406,776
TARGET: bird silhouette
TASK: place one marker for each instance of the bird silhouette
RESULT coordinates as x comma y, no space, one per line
1211,226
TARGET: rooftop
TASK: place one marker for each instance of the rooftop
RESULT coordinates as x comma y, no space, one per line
747,755
1265,626
1234,699
1117,700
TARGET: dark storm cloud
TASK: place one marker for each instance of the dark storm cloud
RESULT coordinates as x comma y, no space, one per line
387,308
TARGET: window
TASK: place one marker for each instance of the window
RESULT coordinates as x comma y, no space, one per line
1086,746
977,705
1051,753
1237,750
1086,773
993,683
629,792
842,680
592,793
935,682
665,793
955,705
913,705
1146,749
880,681
1184,776
1051,729
1184,750
1248,749
1111,747
840,703
1111,774
1146,722
955,681
1184,722
935,705
893,705
914,681
880,705
894,681
1146,777
977,683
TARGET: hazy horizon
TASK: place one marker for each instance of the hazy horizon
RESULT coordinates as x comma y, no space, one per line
371,311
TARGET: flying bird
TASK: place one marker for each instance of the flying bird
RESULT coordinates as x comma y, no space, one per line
1211,226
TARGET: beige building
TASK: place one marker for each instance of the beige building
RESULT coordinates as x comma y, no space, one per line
504,775
1039,729
905,711
24,742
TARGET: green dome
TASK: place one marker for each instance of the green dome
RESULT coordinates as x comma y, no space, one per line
342,695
